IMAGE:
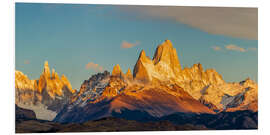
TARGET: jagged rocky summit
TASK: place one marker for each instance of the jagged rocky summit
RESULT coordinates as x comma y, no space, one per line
45,96
207,86
164,66
158,87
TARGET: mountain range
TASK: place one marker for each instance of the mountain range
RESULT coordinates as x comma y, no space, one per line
158,89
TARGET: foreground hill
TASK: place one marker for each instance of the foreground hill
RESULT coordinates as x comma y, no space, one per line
26,122
25,114
123,122
102,125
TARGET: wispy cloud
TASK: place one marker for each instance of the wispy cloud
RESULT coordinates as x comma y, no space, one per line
232,47
235,48
216,48
252,49
94,66
126,44
26,62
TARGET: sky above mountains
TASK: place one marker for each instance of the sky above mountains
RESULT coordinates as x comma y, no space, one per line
80,40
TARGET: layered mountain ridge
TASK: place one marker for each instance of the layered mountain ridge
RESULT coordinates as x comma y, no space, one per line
205,85
46,95
159,87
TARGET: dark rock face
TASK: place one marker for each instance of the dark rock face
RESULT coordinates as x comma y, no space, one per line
94,86
208,104
59,102
77,114
24,113
90,90
233,101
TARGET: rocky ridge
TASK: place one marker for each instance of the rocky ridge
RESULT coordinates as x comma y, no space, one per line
159,87
206,86
46,96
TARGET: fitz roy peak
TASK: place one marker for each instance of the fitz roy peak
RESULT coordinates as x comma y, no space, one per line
207,86
165,64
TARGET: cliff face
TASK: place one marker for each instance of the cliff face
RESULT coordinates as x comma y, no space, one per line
164,66
140,71
48,93
166,58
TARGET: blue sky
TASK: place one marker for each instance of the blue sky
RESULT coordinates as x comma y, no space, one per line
72,36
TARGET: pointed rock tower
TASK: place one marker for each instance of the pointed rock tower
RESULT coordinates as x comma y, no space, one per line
128,75
49,90
55,75
117,71
164,66
166,54
140,71
52,83
46,69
